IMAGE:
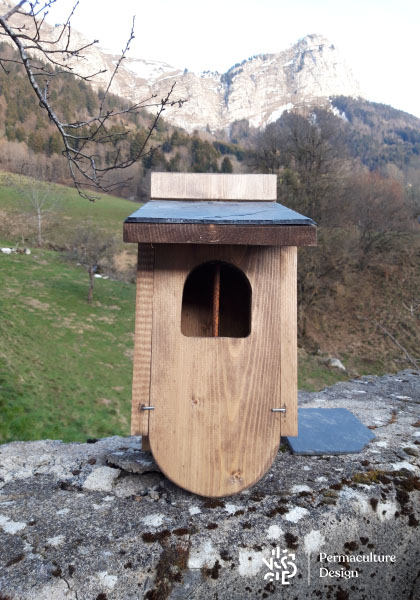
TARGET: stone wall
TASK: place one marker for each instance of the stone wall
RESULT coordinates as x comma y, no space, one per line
98,521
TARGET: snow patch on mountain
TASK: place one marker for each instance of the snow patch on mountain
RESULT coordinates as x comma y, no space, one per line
150,70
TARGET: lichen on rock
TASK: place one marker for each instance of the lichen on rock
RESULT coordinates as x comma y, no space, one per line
99,521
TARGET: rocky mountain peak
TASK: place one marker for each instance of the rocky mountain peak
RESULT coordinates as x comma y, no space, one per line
258,89
261,87
313,41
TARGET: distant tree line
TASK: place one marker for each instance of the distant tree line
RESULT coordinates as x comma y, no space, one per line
364,216
378,134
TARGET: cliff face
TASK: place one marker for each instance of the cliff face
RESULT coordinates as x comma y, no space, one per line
258,90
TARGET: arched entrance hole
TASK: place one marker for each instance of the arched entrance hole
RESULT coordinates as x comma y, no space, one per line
216,302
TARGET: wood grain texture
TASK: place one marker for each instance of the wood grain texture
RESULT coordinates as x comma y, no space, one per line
213,186
216,301
142,341
288,336
212,430
183,233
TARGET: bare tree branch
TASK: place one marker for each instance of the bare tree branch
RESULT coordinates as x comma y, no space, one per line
414,306
396,342
81,139
14,10
117,66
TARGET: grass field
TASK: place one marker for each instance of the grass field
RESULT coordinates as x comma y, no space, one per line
107,212
65,365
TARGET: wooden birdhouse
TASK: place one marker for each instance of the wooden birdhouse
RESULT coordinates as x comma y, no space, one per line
215,357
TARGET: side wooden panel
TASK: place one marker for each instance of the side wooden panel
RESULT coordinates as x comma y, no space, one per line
212,430
142,341
288,349
213,186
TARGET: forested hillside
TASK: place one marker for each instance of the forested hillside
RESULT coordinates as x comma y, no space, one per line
380,135
31,144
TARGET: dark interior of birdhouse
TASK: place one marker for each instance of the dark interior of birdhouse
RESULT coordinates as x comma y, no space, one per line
216,302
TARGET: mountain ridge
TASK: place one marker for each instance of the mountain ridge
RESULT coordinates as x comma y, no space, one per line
258,89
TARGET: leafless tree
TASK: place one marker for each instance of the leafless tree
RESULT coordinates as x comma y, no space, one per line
43,60
270,148
385,331
91,247
38,202
413,307
376,206
306,152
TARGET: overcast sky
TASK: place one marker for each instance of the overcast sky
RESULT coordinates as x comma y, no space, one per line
379,39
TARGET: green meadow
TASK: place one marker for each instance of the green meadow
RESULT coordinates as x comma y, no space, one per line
70,210
65,364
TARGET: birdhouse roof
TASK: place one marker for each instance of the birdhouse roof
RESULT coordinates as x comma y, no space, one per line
213,208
